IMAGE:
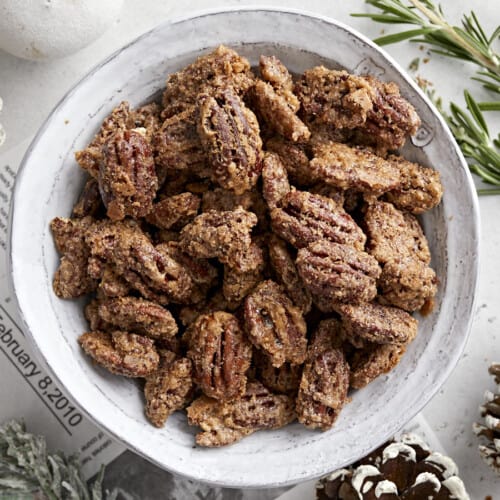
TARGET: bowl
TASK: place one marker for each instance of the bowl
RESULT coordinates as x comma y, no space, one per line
49,182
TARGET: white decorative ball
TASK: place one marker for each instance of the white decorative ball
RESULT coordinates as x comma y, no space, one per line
47,29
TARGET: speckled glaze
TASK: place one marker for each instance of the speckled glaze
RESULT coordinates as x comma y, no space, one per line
49,182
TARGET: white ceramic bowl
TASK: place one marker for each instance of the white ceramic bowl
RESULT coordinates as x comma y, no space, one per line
49,182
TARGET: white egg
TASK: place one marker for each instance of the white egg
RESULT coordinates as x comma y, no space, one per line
47,29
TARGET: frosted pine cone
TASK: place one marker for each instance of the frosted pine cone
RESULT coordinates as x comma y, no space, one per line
490,429
400,469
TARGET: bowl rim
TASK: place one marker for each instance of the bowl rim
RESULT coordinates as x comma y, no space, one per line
443,376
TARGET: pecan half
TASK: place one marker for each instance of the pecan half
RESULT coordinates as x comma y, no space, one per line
287,275
275,183
225,422
224,235
90,157
394,235
175,211
138,315
275,325
391,119
275,110
377,324
346,167
229,132
338,272
177,144
112,284
127,175
238,284
72,278
408,283
294,158
420,188
334,97
121,353
275,72
222,67
168,389
89,202
304,218
220,353
323,387
282,380
149,271
372,361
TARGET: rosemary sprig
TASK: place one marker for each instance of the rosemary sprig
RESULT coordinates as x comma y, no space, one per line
468,42
471,132
28,470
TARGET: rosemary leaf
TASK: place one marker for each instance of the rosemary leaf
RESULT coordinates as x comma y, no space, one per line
468,42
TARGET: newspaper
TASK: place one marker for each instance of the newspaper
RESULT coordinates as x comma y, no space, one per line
28,391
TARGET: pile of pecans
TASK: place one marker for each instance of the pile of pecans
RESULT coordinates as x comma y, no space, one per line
250,244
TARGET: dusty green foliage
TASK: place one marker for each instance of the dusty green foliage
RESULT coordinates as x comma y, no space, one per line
28,470
468,42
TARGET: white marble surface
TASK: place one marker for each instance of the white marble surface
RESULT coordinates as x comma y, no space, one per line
30,90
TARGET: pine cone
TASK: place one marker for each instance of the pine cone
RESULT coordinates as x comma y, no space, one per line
490,430
400,469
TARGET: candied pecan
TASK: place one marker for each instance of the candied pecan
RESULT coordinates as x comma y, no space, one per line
90,157
282,380
177,144
155,275
353,168
378,324
420,188
390,120
287,275
224,200
71,278
274,109
169,388
91,313
89,202
238,284
145,117
223,67
304,218
220,353
275,183
338,272
294,158
332,192
374,360
323,386
323,133
334,97
127,175
394,235
408,283
112,284
175,211
203,275
275,72
224,235
139,316
225,422
229,132
275,325
121,353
